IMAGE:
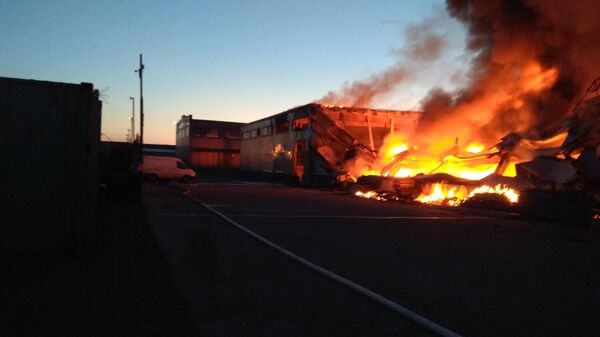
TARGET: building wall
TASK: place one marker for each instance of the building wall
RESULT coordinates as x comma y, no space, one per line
270,153
330,132
208,144
49,139
182,138
268,144
159,150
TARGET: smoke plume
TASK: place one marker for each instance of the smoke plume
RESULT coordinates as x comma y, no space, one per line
425,45
529,63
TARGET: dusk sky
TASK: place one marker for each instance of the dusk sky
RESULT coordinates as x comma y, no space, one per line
222,60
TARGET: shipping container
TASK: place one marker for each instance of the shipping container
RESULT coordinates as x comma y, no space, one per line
49,140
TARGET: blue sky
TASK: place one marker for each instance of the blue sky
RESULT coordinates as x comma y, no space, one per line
225,60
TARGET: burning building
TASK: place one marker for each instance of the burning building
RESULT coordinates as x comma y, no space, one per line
314,143
523,117
558,169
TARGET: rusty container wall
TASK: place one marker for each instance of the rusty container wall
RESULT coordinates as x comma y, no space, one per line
49,140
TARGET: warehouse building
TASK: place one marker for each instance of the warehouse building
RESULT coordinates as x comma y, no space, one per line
308,143
207,144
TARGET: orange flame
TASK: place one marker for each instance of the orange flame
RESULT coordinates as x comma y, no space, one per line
370,195
455,195
509,193
461,142
442,194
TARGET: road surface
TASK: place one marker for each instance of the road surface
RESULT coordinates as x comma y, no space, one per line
475,274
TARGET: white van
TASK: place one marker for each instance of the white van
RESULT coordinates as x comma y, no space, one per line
157,167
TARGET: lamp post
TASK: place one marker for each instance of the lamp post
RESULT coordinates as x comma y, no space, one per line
132,119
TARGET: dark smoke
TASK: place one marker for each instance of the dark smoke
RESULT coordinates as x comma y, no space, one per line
504,36
512,45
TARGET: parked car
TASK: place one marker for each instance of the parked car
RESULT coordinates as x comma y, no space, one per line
157,167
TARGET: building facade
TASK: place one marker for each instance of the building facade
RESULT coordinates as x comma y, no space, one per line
207,144
309,144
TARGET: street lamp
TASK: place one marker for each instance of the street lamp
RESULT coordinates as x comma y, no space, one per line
132,119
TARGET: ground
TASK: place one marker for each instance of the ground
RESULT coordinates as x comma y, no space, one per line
174,268
121,286
478,274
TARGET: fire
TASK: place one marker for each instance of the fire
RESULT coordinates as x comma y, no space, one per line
525,75
455,195
403,173
395,150
535,78
469,163
403,160
509,193
370,195
475,148
440,193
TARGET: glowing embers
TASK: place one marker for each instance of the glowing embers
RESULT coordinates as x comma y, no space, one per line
455,195
370,195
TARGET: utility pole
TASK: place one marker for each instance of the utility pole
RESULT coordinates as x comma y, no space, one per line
140,72
132,119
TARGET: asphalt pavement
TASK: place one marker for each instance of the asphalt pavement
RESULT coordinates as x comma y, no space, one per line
474,273
121,286
236,286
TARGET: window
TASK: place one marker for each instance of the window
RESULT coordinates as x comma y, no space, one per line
212,133
255,133
232,133
246,134
300,123
266,131
281,124
181,165
207,132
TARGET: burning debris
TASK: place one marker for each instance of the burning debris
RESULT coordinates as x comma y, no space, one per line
565,157
523,122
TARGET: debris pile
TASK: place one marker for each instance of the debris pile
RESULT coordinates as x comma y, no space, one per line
554,168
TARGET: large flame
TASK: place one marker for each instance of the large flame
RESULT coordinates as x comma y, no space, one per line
451,195
526,71
509,193
440,193
397,158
